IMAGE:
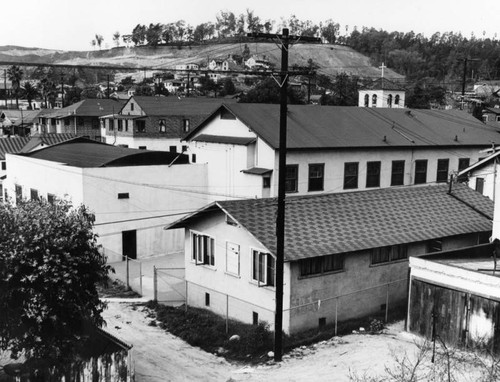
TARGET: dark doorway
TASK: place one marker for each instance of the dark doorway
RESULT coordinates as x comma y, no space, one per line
129,244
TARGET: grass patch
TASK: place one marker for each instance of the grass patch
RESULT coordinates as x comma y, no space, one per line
207,330
117,289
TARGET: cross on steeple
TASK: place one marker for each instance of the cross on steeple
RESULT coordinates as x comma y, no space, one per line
382,67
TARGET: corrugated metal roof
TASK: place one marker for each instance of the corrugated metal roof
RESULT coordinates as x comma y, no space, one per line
344,222
85,153
322,127
11,145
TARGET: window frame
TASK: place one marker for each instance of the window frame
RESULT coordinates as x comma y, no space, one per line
162,126
479,187
321,265
198,256
388,254
267,280
395,175
317,169
294,179
370,183
348,178
419,173
440,172
238,254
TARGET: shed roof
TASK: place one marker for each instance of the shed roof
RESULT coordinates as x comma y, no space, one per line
85,153
325,127
328,224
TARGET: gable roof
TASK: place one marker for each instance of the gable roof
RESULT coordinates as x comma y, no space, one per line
329,224
480,163
326,127
46,139
87,108
11,145
85,153
173,105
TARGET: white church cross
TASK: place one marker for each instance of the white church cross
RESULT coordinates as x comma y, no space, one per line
382,67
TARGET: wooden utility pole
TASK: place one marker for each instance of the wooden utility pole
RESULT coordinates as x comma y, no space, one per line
284,39
62,90
465,60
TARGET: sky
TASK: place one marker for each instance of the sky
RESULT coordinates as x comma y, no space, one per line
71,24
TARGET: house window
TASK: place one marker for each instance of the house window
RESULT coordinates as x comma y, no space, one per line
131,106
233,258
390,253
207,299
125,124
374,100
162,126
79,121
143,147
193,158
480,185
123,195
4,165
367,100
442,170
316,175
66,121
322,322
19,193
420,171
292,178
185,125
203,249
373,174
141,126
263,265
255,318
463,163
33,194
51,198
396,99
397,172
323,264
497,118
351,175
389,100
120,125
111,123
173,149
266,182
95,123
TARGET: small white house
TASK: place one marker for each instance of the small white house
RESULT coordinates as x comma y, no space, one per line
346,254
481,175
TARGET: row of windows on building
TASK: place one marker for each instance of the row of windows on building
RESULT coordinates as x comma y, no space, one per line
140,125
374,100
316,174
34,194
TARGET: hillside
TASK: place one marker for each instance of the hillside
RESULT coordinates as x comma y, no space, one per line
332,59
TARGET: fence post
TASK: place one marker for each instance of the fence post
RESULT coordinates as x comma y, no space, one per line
155,286
127,277
336,314
140,277
227,313
387,303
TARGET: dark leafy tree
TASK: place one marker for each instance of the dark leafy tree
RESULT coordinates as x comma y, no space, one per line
268,91
344,91
116,38
253,22
127,81
139,34
246,52
226,24
203,32
208,85
50,267
15,75
92,92
48,90
99,39
329,31
153,34
228,87
144,90
72,95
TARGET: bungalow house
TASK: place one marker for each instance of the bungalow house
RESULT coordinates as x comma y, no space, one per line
156,123
17,122
481,175
346,254
491,115
133,193
382,93
81,118
334,148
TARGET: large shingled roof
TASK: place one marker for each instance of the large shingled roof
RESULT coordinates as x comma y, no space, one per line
84,153
164,106
344,222
325,127
87,108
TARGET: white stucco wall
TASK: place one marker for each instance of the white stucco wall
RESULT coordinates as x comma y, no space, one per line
245,295
382,97
488,174
158,195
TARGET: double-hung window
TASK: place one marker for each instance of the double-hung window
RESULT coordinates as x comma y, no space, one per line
372,174
316,177
292,178
420,171
263,268
351,175
203,249
442,170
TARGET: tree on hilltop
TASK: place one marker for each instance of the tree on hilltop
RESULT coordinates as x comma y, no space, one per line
15,75
50,266
99,39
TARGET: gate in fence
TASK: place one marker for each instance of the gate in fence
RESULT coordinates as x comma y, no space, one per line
169,285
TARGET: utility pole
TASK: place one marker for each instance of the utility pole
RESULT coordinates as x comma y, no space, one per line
463,78
62,89
108,86
284,40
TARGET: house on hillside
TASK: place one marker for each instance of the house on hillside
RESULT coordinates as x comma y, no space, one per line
491,115
481,175
382,93
81,118
257,62
132,193
334,148
346,254
156,123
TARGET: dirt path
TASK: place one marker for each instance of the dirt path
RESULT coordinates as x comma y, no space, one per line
160,356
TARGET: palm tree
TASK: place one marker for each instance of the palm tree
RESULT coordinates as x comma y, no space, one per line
99,39
48,90
30,92
15,74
